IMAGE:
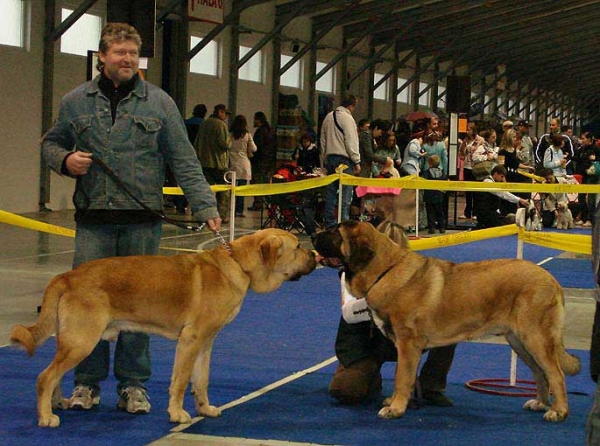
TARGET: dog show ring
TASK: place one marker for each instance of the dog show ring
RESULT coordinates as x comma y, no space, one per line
489,386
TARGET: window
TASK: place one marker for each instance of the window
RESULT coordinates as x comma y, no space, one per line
487,101
82,36
293,76
326,82
441,102
511,105
381,91
12,23
207,60
424,98
404,95
251,70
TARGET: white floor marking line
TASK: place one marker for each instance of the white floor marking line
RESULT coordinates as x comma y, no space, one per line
262,391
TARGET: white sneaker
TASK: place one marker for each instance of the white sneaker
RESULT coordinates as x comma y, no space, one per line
84,398
578,222
587,224
134,400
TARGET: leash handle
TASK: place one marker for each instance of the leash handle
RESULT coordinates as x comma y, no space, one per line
119,183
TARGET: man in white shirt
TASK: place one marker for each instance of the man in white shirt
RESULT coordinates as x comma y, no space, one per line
339,145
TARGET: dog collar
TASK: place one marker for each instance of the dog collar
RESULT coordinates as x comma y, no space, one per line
379,278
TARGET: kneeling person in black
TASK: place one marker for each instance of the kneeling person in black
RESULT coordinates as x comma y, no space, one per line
487,203
362,349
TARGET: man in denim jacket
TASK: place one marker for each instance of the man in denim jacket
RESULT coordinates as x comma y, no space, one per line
135,129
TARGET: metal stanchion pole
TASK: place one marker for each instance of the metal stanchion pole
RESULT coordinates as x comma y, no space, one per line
232,180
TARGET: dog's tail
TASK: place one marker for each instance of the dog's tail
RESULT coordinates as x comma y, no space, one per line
31,337
569,364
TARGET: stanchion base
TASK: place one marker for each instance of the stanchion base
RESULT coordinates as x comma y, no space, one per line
490,386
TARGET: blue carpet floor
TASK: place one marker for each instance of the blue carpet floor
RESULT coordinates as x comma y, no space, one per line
274,336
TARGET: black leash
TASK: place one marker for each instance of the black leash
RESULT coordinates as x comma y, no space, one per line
180,224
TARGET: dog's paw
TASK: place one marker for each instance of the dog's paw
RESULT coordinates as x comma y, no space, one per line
554,416
179,416
208,411
387,401
389,413
535,405
49,421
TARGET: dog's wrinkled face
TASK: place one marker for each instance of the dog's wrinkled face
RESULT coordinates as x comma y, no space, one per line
282,255
350,242
270,257
561,206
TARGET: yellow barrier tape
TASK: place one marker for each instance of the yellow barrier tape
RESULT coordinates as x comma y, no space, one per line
17,220
284,188
414,182
581,244
266,188
532,176
462,237
178,191
409,182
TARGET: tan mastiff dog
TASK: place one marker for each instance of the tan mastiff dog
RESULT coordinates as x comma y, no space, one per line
188,297
424,302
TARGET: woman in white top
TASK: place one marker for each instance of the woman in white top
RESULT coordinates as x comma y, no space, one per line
242,148
554,157
466,148
487,150
413,153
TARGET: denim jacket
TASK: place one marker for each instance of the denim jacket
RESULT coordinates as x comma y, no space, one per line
147,134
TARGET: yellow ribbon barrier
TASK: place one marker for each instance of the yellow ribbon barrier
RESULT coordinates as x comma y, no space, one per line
409,182
462,237
414,182
28,223
569,242
532,176
581,244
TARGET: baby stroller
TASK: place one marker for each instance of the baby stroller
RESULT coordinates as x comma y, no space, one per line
290,212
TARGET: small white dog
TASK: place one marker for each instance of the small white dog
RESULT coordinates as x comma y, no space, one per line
564,220
529,218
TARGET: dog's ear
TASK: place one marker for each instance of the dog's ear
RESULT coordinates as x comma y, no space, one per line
270,250
360,251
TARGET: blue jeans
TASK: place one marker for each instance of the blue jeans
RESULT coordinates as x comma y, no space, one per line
132,353
239,201
331,191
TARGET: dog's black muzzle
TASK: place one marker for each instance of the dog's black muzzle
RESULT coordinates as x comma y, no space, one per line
328,243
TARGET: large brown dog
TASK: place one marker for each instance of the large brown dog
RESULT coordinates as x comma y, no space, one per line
187,297
426,302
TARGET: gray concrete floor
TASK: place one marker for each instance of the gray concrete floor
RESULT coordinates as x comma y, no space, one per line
29,259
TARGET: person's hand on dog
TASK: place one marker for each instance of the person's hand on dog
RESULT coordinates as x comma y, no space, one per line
78,163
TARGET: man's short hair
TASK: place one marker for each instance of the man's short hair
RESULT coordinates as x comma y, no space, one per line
199,110
380,124
348,100
118,32
499,168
